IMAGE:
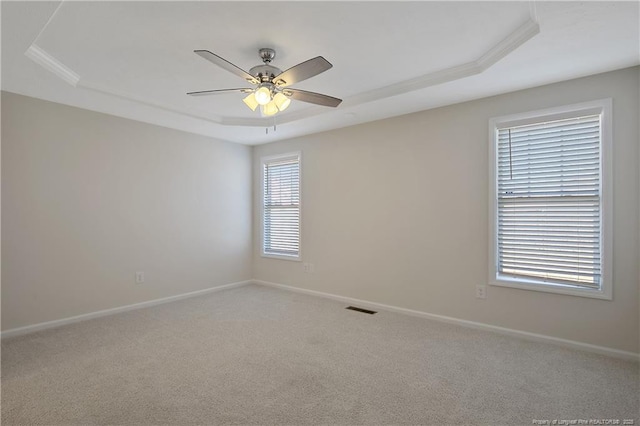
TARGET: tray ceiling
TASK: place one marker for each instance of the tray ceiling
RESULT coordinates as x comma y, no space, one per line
136,60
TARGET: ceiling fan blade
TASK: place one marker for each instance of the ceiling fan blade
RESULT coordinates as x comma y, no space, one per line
218,92
223,63
313,98
302,71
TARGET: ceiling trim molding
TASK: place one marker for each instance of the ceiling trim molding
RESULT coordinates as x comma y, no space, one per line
511,42
95,87
516,39
48,62
507,45
252,122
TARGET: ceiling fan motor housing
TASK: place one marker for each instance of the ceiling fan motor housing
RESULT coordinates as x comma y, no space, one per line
265,73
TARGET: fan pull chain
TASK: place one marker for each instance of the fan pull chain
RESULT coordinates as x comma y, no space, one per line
266,129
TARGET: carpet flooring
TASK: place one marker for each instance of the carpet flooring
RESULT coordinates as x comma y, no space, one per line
258,355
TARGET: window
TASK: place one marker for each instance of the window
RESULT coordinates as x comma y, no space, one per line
551,200
281,206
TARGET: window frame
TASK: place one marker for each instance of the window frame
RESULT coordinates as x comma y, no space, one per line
265,160
602,107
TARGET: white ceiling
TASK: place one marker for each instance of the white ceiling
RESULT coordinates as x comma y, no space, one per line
136,60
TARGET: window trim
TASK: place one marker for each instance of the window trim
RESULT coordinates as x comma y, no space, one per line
263,161
603,107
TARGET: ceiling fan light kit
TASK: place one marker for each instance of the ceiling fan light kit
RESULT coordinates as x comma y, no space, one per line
281,100
272,93
251,102
263,93
269,109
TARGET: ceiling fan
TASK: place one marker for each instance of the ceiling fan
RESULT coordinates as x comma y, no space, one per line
272,92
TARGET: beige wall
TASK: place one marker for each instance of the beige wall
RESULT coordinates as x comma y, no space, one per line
396,212
88,199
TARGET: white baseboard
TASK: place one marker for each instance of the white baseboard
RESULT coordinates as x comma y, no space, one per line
616,353
57,323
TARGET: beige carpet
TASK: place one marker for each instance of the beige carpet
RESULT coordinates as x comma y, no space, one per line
257,355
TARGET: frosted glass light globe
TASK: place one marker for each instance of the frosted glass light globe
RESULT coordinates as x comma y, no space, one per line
282,102
263,95
269,109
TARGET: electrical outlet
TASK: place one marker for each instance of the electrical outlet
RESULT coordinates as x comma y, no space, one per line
308,268
139,277
481,291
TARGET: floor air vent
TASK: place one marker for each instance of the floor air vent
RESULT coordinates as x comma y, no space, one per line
366,311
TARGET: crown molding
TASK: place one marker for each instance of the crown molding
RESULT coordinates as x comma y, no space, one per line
252,122
48,62
95,87
511,42
507,45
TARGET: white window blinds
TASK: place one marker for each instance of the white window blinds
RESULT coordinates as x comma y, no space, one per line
281,206
549,201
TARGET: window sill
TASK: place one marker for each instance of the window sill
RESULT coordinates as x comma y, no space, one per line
281,257
533,285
